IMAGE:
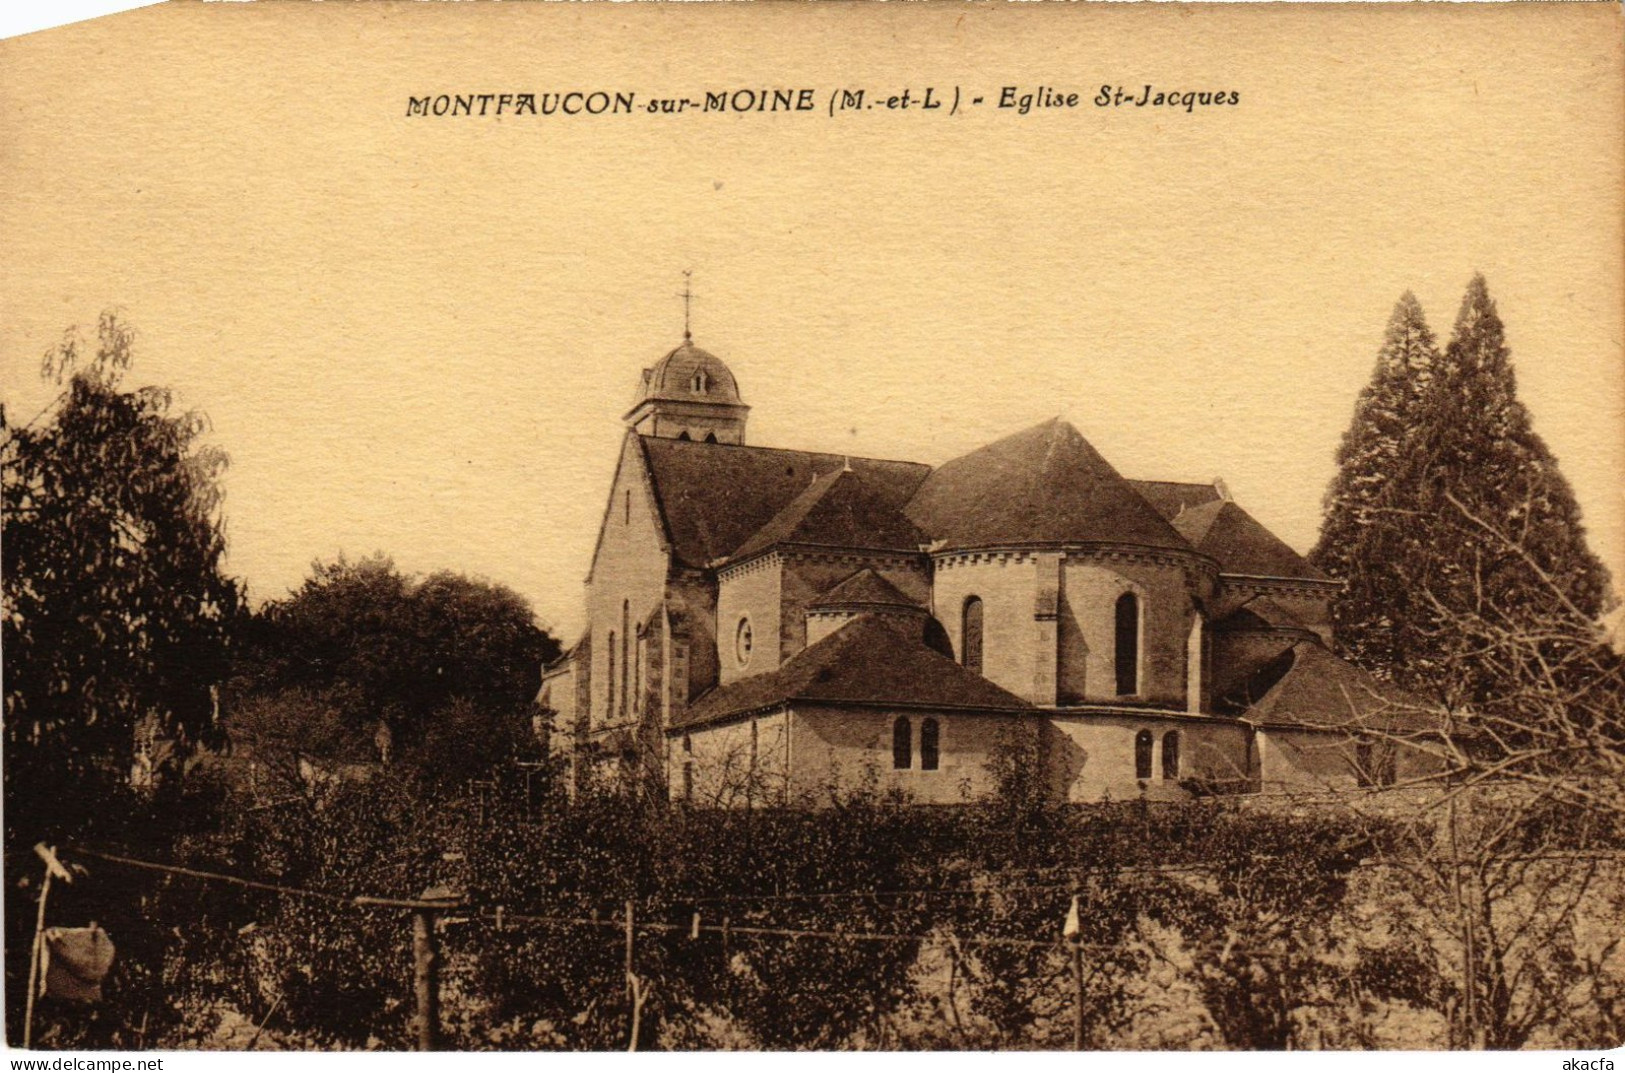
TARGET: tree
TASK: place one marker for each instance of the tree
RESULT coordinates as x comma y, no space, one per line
1501,526
1354,537
1460,512
1549,712
1490,901
117,610
442,661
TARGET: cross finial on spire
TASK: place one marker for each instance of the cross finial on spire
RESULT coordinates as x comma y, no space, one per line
688,301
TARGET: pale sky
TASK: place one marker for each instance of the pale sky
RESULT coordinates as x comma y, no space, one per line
419,335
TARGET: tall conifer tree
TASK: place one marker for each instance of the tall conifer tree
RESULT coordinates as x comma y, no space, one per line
1492,510
1358,538
1471,523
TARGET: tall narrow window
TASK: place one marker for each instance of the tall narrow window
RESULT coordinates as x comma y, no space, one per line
902,744
700,383
637,675
609,706
626,643
970,637
1142,755
1170,755
627,501
1128,644
1195,654
929,735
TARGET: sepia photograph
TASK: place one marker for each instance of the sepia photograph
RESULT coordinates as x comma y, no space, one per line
819,527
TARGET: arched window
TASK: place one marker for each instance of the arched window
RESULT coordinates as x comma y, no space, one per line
1195,656
710,437
701,383
683,435
609,707
1170,755
1142,755
929,734
902,744
970,636
1128,644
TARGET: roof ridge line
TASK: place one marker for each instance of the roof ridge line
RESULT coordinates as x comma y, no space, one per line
790,450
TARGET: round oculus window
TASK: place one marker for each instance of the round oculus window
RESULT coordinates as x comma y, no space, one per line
742,642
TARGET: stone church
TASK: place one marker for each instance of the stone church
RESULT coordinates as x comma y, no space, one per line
770,626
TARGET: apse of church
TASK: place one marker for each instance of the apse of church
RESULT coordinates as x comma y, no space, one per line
762,621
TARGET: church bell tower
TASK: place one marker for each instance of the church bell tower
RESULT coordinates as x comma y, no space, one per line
689,394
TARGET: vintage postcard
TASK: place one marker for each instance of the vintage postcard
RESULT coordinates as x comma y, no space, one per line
815,527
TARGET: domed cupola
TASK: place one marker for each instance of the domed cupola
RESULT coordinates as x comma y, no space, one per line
689,395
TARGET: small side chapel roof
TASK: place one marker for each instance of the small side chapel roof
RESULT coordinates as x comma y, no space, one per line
1307,685
1225,532
873,661
1171,497
864,589
714,497
837,510
1260,613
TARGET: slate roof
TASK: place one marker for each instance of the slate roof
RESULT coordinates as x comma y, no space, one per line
714,496
1171,497
1309,686
864,589
1222,530
1044,485
1261,613
672,377
837,510
874,660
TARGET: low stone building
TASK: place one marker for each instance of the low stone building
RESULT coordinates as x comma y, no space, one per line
773,626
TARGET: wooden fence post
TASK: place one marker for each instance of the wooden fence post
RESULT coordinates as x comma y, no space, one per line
426,981
425,956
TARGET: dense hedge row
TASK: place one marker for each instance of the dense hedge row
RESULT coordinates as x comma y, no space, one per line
1212,923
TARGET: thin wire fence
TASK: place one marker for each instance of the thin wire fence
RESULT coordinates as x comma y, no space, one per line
713,917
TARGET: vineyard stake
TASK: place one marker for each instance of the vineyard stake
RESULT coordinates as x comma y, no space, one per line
629,986
1077,995
53,867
